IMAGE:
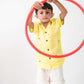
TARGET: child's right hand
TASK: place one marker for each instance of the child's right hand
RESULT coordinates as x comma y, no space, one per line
37,5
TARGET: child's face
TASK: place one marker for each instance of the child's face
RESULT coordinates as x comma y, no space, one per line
44,15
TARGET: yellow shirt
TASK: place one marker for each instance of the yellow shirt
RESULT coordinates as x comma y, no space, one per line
48,40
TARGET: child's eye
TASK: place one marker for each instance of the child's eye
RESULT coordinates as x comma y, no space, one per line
41,12
47,12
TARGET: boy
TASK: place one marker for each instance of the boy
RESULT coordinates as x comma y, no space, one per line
48,40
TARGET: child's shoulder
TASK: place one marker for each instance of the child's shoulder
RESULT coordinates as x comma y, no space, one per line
53,20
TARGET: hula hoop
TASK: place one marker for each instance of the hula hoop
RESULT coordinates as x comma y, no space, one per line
48,55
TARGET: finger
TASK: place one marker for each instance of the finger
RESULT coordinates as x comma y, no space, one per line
37,6
49,0
41,4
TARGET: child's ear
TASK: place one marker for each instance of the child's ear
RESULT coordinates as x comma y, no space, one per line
36,16
52,15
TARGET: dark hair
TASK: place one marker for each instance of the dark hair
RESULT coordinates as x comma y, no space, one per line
46,5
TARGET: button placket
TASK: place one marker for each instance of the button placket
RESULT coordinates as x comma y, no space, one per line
47,41
46,33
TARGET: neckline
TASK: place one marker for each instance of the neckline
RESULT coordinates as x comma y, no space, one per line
46,26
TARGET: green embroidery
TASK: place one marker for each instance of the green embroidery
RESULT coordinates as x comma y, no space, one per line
39,38
39,60
58,40
39,51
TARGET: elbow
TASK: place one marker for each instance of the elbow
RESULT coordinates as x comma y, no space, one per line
66,12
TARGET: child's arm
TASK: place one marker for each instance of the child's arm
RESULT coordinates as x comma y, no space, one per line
30,23
61,7
36,5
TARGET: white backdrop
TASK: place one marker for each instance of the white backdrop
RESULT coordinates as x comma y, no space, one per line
17,57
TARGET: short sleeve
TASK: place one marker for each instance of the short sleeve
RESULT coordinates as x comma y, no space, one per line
53,20
59,21
35,28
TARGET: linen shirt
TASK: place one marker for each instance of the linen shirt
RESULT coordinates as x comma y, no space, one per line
48,40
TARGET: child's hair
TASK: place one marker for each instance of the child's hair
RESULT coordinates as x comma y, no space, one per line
46,5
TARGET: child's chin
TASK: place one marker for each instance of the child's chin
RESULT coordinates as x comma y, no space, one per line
45,21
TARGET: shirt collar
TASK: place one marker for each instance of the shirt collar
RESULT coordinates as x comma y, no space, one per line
48,23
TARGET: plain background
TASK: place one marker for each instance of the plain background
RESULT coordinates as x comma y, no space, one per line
17,57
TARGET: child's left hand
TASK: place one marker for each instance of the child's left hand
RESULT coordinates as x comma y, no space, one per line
52,1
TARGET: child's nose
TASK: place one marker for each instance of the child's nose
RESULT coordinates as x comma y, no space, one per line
44,14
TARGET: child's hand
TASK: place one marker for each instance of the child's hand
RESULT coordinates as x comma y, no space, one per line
52,1
37,5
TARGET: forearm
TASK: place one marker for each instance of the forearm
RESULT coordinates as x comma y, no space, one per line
30,19
60,6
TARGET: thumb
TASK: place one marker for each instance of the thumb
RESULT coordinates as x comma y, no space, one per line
41,3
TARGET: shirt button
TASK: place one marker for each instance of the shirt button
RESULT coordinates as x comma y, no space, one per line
49,57
45,32
46,40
